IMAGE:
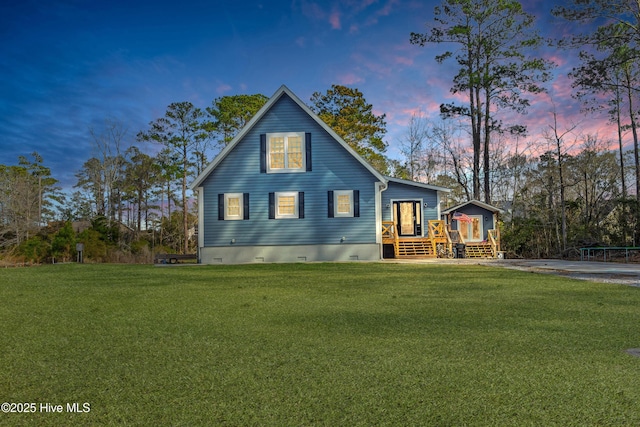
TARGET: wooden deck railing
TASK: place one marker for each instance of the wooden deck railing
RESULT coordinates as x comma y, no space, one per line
389,234
439,235
494,240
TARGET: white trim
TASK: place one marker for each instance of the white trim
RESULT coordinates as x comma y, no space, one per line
417,184
200,191
379,187
473,202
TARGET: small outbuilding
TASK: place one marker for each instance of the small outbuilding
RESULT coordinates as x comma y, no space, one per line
475,225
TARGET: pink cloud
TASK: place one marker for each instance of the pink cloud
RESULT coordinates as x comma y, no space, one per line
426,109
385,11
317,13
349,79
312,10
560,60
561,88
223,88
377,68
403,60
334,20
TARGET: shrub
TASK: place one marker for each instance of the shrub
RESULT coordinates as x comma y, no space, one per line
34,250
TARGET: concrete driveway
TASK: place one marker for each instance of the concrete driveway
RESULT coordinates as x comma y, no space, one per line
607,272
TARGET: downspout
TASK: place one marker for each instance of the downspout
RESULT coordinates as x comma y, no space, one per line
380,187
201,230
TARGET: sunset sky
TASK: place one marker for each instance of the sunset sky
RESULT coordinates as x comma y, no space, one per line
66,66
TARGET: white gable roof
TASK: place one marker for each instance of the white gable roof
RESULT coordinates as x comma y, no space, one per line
474,202
258,116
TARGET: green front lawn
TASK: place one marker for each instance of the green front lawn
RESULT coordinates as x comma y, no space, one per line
317,344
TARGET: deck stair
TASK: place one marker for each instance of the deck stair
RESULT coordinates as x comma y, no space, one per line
415,248
479,250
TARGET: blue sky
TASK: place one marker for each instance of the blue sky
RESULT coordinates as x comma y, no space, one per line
66,66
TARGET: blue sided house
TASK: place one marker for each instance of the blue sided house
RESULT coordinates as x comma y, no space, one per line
287,188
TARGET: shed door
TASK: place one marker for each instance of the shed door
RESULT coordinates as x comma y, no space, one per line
408,217
472,231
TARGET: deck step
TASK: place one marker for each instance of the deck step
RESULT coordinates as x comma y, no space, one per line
415,248
478,251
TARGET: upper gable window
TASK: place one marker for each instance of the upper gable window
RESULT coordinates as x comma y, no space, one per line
286,152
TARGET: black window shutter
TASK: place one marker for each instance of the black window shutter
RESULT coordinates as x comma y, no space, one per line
356,203
221,207
272,205
263,153
330,211
301,205
307,140
246,205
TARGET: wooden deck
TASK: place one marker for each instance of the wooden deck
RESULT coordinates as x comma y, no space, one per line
439,243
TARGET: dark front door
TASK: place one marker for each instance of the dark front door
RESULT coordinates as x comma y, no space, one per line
408,216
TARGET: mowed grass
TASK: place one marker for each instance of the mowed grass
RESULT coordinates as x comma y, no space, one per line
317,344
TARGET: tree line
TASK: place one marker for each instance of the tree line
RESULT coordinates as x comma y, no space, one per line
559,192
567,189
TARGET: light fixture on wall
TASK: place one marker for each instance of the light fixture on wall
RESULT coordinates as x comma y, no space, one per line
388,205
425,204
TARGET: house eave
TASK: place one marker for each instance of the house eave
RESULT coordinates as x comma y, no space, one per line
476,203
417,184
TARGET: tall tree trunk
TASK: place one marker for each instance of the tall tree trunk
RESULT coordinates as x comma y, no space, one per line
139,216
563,212
477,142
620,148
487,139
475,113
623,206
185,208
636,156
